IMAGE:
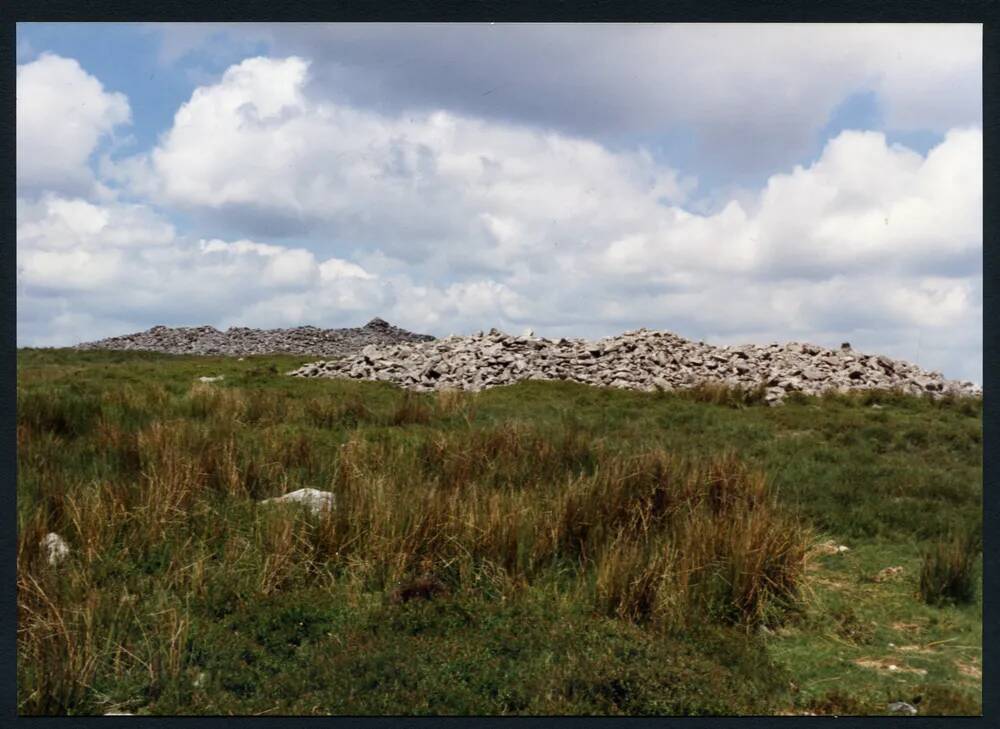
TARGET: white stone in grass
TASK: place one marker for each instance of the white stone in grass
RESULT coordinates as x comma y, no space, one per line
56,549
313,499
211,379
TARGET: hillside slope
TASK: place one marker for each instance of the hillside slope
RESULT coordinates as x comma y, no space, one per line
542,548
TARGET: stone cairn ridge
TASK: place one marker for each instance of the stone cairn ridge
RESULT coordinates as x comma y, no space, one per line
636,360
245,341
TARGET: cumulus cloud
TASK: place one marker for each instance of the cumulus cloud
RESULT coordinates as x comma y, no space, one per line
114,261
403,183
491,194
62,114
753,96
88,271
862,204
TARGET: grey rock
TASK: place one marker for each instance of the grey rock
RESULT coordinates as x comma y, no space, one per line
885,363
313,499
55,548
811,373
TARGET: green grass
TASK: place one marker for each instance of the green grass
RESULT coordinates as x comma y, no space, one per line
598,551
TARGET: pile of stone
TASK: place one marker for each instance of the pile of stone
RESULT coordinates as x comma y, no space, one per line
636,360
245,341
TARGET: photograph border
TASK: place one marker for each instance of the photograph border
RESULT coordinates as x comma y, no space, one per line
426,11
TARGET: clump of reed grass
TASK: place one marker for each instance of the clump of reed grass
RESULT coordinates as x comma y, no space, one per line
714,546
64,411
411,409
332,412
731,550
209,401
948,573
456,403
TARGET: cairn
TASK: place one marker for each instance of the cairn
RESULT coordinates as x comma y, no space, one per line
636,360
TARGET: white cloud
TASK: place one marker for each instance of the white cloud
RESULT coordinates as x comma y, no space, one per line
334,269
753,95
62,114
402,183
865,204
88,271
279,267
72,244
489,196
59,223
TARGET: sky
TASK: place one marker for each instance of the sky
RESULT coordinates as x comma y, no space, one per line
729,183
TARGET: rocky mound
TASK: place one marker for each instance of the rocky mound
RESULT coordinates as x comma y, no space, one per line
637,360
245,341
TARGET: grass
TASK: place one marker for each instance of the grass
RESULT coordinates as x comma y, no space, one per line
546,548
948,573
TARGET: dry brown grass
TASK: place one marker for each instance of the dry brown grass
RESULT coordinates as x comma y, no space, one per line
456,403
411,409
650,524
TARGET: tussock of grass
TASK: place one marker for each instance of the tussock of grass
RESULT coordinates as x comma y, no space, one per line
948,573
70,416
411,409
457,404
